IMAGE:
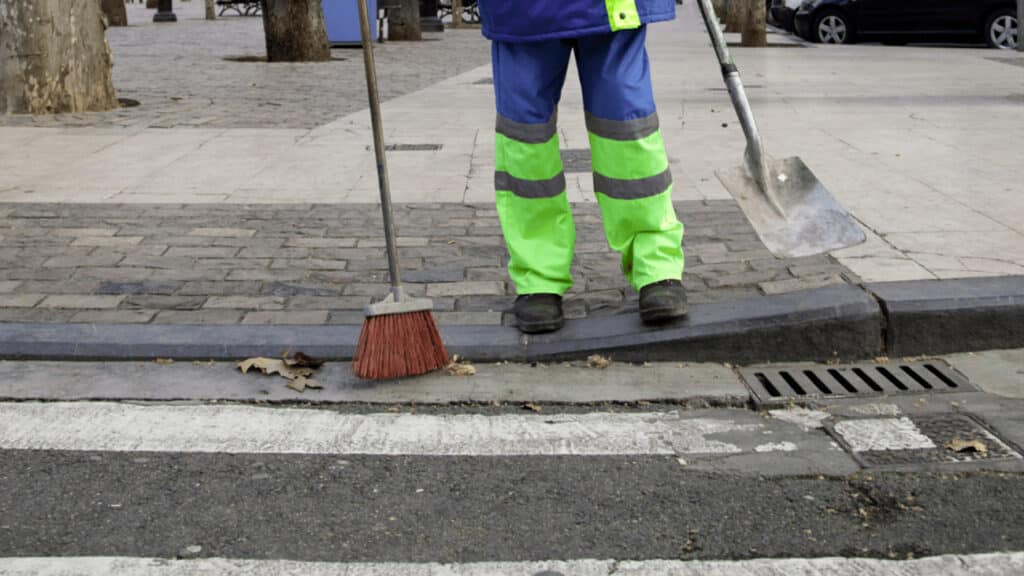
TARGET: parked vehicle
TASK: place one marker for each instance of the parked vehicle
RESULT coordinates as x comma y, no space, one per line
844,21
783,11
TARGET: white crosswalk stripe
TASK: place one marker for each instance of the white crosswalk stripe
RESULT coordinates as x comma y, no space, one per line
1000,564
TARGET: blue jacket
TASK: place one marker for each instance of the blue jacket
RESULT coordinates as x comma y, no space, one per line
533,20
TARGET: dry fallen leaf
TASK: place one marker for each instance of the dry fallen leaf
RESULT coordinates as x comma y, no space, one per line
960,446
598,361
164,361
532,406
460,367
297,369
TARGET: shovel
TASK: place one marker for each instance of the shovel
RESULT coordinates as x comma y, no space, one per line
790,209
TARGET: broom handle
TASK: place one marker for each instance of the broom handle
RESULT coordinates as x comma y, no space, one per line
378,149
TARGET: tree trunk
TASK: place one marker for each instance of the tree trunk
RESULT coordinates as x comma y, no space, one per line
733,19
405,24
211,10
755,32
295,31
115,12
54,57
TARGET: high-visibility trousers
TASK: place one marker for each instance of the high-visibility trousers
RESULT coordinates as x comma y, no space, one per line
631,173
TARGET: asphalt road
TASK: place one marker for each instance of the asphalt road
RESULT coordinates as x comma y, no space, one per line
469,509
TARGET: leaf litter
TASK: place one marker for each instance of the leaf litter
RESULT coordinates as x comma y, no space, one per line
297,369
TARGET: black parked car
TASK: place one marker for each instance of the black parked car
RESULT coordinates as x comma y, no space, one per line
844,21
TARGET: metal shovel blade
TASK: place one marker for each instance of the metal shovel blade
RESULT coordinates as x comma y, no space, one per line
811,220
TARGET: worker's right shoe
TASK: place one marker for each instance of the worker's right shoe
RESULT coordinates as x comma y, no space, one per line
538,313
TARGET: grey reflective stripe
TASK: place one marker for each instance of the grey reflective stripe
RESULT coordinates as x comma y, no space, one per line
527,133
632,189
530,188
623,129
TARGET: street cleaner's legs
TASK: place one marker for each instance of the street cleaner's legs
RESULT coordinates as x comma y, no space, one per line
632,179
529,181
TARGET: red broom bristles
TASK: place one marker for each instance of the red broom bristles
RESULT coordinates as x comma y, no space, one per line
399,345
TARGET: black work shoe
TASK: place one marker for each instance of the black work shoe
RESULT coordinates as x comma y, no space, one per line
662,301
537,313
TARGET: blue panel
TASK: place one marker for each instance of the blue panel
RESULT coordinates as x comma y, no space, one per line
342,20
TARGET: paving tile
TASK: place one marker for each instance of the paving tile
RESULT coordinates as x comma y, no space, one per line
287,317
113,316
82,301
482,288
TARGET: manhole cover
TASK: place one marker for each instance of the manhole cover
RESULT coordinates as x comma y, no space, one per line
939,439
410,147
576,160
780,383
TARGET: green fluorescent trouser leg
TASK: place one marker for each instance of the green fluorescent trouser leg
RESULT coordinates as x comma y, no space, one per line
634,190
533,207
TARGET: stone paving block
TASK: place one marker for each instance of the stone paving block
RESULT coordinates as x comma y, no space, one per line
246,302
403,242
482,288
106,241
744,278
816,269
325,303
484,303
113,316
297,289
7,286
468,318
22,300
36,315
474,274
202,251
79,232
229,232
188,275
163,288
163,302
266,274
434,275
73,286
287,317
72,261
114,275
35,273
349,317
204,316
802,283
320,243
262,252
225,288
81,301
318,264
727,257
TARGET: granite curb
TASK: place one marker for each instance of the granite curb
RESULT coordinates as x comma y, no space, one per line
843,322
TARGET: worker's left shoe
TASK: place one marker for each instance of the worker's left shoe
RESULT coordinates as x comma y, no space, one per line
662,301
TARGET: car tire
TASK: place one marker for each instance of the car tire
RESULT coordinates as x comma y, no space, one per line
1002,29
832,27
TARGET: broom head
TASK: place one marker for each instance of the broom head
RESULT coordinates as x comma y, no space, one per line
399,339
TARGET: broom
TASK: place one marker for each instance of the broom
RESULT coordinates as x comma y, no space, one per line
399,337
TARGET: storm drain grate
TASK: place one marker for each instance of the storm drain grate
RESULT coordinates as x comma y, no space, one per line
576,160
410,147
782,383
954,438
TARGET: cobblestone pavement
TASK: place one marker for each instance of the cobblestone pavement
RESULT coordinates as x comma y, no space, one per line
317,264
187,74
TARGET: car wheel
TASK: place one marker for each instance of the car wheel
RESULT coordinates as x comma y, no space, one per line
1003,30
832,27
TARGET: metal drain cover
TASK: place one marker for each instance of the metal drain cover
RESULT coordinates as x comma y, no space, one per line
576,160
895,442
781,383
